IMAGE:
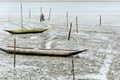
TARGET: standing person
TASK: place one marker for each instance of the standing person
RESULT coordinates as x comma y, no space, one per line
42,17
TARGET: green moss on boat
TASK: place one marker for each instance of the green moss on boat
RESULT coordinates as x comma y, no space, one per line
27,31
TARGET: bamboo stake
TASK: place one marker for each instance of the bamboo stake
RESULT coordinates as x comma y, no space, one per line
73,70
76,24
21,17
67,18
100,21
14,52
49,14
29,15
69,31
41,10
40,13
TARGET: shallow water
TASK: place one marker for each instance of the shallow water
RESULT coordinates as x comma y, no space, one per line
99,40
102,43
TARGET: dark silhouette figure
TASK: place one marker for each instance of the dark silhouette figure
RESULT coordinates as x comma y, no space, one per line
42,17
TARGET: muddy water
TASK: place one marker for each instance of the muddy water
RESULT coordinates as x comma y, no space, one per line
100,62
95,64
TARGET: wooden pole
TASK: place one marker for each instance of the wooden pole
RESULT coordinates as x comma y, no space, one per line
67,18
21,17
76,24
73,73
14,52
40,13
40,10
100,23
69,31
29,15
49,14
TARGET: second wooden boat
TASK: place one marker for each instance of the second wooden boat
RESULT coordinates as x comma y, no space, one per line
45,52
27,31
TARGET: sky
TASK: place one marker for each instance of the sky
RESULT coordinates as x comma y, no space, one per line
60,8
13,8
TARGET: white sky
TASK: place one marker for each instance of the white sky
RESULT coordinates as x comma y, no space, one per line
13,8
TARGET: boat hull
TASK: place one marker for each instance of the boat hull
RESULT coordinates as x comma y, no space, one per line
44,52
27,31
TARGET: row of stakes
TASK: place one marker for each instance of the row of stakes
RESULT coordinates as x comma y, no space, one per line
100,23
49,19
68,37
72,71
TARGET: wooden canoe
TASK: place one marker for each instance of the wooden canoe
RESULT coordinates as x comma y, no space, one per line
44,52
27,31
